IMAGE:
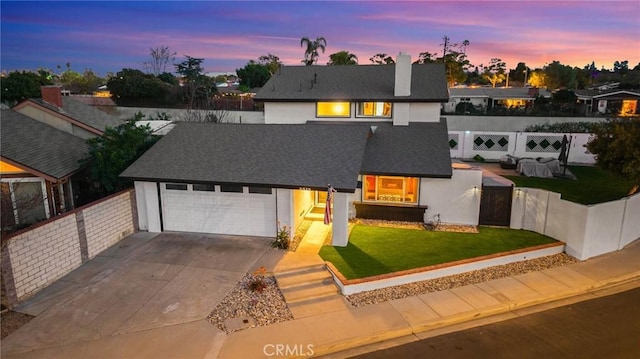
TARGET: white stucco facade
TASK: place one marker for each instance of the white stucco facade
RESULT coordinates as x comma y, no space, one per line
457,199
303,112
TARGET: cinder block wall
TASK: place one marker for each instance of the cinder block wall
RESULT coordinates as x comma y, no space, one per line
106,223
35,257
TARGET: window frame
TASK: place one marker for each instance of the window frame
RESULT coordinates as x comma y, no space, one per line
203,187
231,188
360,105
376,191
176,186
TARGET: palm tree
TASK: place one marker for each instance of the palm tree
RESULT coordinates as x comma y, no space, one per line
343,58
311,52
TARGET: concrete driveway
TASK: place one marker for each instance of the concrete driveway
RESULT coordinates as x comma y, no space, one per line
147,296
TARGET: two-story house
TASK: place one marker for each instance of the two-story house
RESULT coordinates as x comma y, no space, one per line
372,133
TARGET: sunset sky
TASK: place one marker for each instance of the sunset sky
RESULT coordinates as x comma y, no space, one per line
108,36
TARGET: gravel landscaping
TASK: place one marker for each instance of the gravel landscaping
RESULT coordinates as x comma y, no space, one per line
264,307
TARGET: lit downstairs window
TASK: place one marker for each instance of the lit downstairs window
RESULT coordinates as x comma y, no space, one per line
333,109
391,189
374,109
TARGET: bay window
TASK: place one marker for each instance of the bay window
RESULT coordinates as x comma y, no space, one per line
391,189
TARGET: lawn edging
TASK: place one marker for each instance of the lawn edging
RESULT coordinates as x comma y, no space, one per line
352,286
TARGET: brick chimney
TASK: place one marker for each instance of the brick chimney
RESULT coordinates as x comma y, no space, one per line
52,95
403,75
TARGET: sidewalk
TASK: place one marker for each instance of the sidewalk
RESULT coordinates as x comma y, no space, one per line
332,332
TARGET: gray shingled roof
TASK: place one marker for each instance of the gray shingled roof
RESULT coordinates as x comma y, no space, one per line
39,146
83,113
353,83
292,156
418,150
289,156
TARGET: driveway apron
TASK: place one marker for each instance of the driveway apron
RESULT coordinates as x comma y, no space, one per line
146,281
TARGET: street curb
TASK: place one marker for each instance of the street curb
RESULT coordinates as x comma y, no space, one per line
472,315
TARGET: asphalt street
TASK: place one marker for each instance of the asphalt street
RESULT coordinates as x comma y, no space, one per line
605,327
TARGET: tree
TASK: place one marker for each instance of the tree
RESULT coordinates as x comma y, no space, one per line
616,145
537,78
253,74
520,73
18,86
495,72
168,78
311,49
272,62
453,56
113,152
134,87
426,58
198,87
343,58
621,67
161,57
560,76
84,83
382,59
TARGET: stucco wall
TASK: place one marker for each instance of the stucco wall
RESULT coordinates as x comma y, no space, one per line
454,199
302,202
37,256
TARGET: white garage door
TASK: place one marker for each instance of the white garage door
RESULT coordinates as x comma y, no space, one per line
206,209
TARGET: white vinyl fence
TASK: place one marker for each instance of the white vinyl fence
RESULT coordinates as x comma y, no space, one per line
587,230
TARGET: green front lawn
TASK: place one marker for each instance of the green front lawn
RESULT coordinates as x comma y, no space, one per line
379,250
593,185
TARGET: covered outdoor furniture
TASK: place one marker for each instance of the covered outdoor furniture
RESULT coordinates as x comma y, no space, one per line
509,162
533,168
552,163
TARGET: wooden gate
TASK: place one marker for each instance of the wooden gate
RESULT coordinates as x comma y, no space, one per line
495,206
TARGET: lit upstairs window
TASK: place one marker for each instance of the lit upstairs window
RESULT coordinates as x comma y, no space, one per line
333,109
374,109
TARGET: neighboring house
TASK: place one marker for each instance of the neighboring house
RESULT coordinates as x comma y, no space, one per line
373,133
67,113
37,166
481,99
610,102
102,103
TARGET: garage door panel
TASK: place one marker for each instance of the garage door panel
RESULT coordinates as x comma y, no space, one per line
215,212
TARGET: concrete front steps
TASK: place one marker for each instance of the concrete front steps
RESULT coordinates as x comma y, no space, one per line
309,290
315,214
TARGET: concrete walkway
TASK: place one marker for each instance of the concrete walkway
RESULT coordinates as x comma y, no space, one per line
335,331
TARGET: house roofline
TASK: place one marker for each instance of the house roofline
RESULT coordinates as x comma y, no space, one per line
419,175
33,171
248,184
396,100
59,115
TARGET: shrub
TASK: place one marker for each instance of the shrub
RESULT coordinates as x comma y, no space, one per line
257,281
283,238
478,158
